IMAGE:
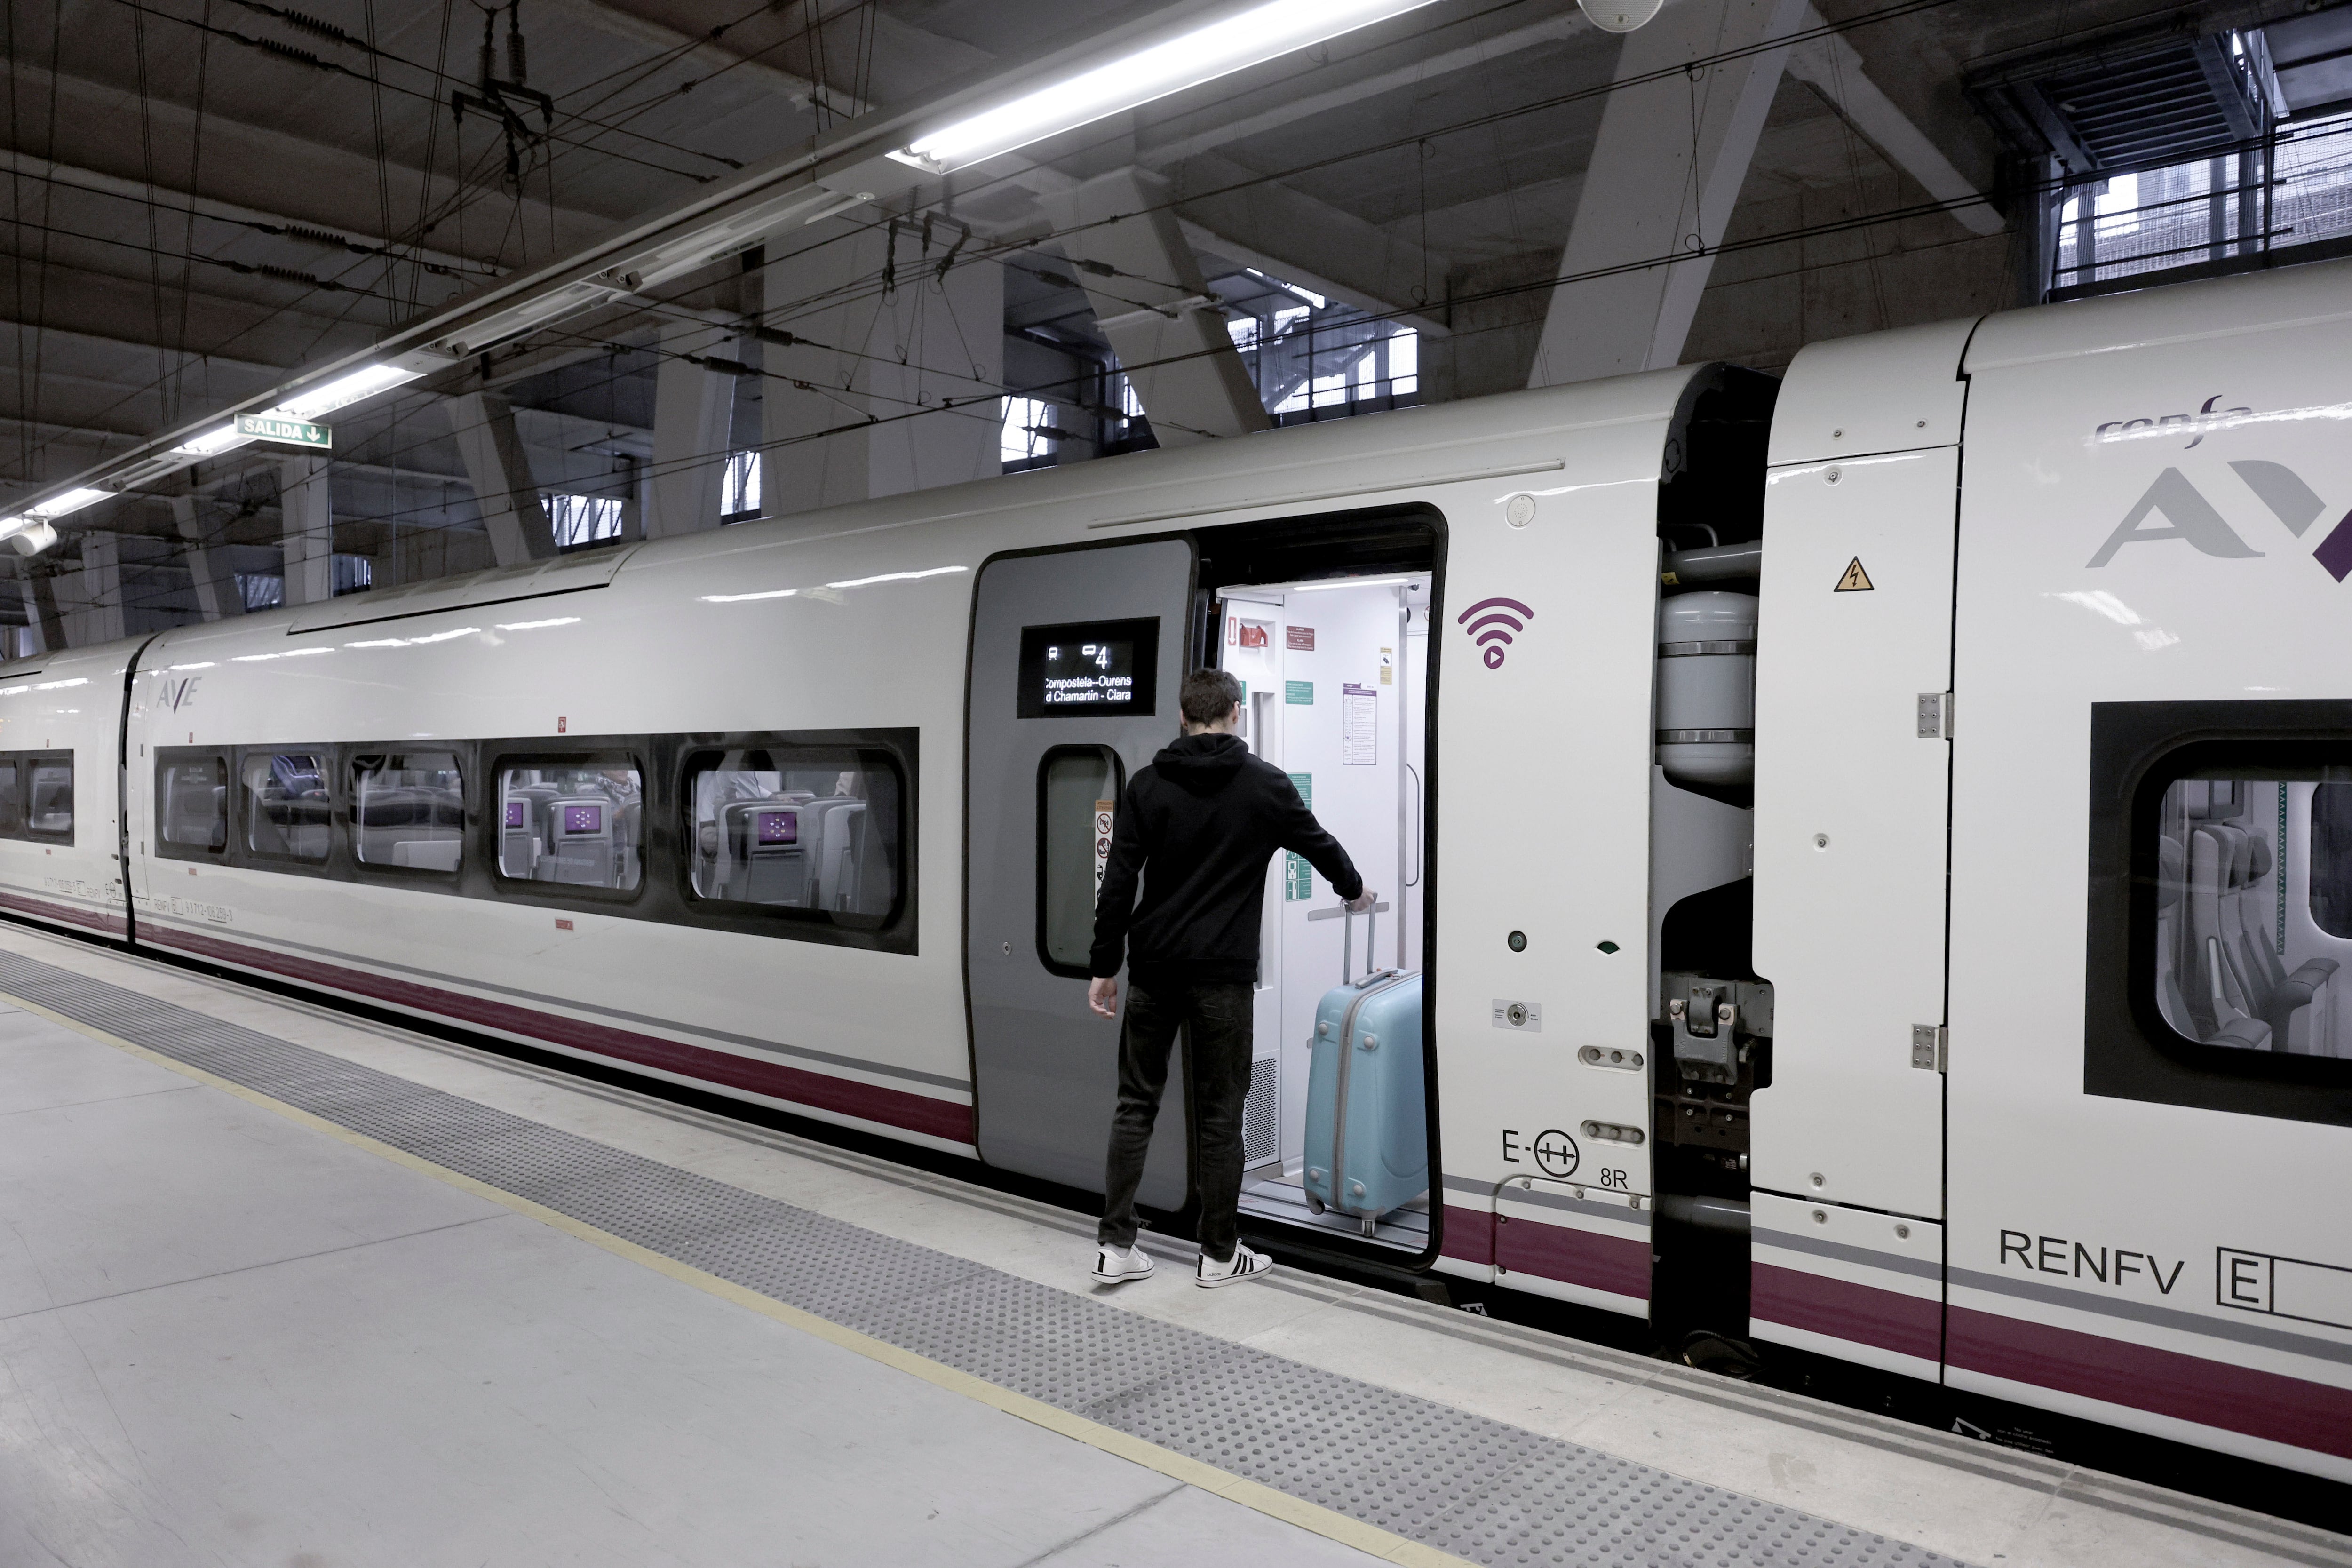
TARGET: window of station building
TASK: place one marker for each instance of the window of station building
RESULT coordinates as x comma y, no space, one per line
578,822
49,798
408,810
191,802
818,830
1077,795
2253,912
289,812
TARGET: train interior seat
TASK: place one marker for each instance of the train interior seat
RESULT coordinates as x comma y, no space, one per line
49,805
1334,697
2223,914
803,838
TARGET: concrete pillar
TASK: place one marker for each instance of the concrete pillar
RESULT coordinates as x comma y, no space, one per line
310,528
1645,198
1180,359
215,580
92,599
922,368
499,467
45,626
694,416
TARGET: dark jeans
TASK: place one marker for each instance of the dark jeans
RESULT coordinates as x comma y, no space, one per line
1218,1037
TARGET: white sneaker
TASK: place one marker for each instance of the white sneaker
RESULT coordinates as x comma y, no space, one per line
1117,1266
1242,1265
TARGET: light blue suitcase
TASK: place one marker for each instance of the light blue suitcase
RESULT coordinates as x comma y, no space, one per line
1367,1116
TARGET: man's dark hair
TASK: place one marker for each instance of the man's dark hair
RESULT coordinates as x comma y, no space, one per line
1209,696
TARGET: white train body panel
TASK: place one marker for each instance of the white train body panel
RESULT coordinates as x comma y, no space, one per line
2002,583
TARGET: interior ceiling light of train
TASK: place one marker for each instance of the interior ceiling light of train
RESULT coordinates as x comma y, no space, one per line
402,239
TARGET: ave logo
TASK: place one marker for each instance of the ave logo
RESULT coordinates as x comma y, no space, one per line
2175,508
178,694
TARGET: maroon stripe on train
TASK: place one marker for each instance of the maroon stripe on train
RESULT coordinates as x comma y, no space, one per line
90,919
846,1097
1469,1235
1911,1325
1585,1257
2267,1404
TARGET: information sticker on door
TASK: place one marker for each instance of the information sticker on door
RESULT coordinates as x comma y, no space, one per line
1103,816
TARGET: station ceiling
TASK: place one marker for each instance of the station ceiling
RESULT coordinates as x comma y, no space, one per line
202,196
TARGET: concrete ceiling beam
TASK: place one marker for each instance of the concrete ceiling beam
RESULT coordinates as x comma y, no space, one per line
1659,190
1832,65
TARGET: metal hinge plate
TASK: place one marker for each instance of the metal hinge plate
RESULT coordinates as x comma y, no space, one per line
1935,715
1928,1043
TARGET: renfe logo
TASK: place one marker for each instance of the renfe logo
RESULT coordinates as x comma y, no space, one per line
2201,424
1495,625
2189,516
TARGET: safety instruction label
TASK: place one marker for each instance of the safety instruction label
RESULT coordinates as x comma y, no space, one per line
1103,819
1298,692
1359,728
1298,876
1298,639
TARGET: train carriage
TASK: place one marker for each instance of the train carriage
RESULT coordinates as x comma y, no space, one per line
1878,843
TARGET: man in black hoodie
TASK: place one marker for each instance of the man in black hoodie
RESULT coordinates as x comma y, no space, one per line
1199,825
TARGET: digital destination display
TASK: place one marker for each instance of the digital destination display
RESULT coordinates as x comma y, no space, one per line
1108,668
583,819
779,827
516,816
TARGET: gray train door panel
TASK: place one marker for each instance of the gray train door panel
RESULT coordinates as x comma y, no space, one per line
1077,658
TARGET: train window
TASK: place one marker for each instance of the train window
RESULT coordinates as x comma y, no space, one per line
191,802
11,798
1077,789
49,798
2217,967
288,813
408,810
579,822
813,829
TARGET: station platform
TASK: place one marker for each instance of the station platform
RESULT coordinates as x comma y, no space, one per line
282,1286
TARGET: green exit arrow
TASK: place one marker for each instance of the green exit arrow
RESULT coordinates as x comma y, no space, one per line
286,431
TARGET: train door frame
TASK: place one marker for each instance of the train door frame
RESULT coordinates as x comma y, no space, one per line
1310,538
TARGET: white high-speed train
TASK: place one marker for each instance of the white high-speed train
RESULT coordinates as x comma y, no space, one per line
1938,952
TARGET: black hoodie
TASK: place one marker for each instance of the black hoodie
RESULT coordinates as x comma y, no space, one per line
1199,826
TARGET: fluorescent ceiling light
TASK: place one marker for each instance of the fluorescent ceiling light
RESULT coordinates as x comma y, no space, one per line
1351,583
344,389
72,501
1241,40
211,443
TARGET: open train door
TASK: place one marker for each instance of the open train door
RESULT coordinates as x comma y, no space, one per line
1077,656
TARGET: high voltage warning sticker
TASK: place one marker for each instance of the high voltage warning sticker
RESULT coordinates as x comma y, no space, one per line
1856,580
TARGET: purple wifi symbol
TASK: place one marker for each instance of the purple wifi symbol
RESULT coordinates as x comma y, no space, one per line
1496,624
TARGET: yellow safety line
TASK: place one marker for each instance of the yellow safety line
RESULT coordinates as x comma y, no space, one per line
1386,1545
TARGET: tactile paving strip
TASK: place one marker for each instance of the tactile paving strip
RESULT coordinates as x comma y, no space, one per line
1473,1486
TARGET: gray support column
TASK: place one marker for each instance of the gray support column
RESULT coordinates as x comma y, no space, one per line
1831,64
844,410
1645,197
98,592
1173,346
694,416
216,593
483,424
310,530
42,618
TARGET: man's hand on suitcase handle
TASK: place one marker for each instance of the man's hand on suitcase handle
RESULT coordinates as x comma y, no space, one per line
1362,901
1102,995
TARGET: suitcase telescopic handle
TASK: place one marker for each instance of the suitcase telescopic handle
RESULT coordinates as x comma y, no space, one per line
1347,938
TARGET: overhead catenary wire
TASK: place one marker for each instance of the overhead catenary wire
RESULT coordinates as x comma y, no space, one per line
1495,119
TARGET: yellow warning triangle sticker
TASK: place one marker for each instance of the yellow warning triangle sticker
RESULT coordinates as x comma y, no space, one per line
1856,580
